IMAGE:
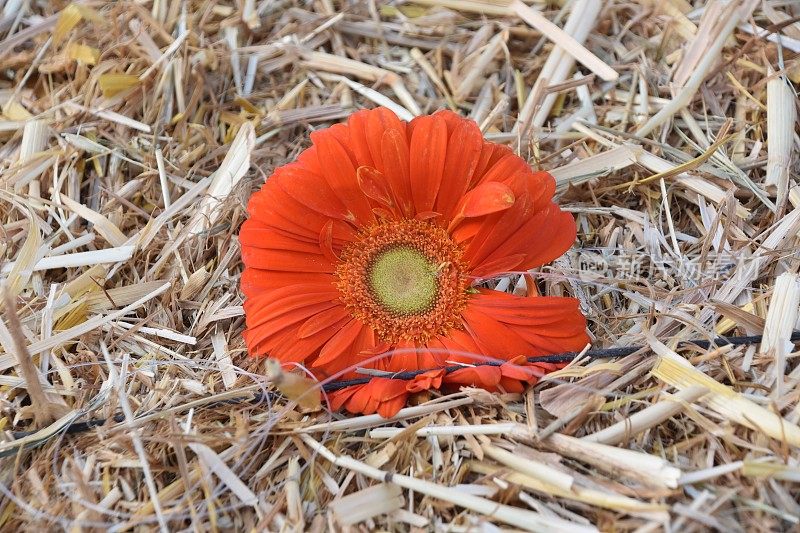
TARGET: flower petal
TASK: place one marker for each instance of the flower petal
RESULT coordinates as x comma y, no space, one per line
426,381
272,207
260,331
366,133
543,238
338,170
389,408
338,398
523,372
325,243
494,230
269,305
463,153
485,199
256,280
256,234
486,377
534,226
382,395
286,260
322,320
352,357
403,358
427,152
285,346
339,343
359,141
310,190
547,324
375,186
396,165
492,336
501,265
291,348
506,164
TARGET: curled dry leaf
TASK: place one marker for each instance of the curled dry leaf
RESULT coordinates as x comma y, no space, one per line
297,388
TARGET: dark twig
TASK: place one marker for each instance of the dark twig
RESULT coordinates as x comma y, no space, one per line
606,353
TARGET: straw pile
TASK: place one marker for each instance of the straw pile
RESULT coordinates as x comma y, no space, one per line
134,132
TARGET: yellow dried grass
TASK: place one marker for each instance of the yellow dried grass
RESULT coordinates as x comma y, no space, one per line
132,134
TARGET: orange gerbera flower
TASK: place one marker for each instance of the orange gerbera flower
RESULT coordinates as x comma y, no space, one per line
373,241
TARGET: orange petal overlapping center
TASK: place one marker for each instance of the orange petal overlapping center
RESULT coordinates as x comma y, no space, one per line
370,243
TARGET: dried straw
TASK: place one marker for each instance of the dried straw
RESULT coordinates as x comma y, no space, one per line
133,133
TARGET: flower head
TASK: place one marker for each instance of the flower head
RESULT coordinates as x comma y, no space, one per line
373,241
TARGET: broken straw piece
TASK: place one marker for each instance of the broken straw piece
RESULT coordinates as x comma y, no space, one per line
781,117
563,39
781,318
558,66
232,169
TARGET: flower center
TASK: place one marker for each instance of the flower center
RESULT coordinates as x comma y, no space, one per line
405,279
